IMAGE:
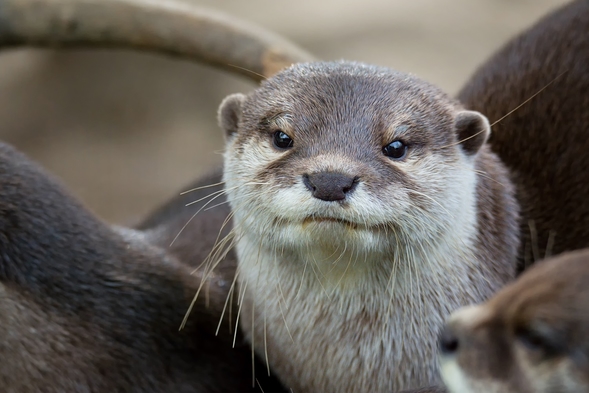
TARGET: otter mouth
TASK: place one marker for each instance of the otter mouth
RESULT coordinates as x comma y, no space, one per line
329,220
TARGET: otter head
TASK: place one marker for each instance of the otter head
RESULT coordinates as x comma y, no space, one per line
530,338
345,157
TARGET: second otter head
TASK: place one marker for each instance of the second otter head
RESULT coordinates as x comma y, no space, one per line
529,338
325,153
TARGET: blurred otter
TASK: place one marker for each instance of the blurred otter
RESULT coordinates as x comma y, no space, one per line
86,307
529,338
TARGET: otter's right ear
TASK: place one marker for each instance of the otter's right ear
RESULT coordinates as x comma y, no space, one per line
229,114
472,130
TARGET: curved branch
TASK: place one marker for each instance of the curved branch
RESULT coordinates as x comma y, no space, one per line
170,27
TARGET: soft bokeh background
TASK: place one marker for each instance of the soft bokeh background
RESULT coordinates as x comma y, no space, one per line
125,131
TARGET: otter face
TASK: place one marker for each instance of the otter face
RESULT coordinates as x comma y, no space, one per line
530,338
344,156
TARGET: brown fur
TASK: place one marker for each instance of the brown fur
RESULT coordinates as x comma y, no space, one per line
544,143
531,337
88,308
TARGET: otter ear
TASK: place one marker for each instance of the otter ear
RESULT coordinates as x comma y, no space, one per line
229,113
472,130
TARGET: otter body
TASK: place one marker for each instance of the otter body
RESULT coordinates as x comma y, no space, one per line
543,143
361,223
89,308
529,338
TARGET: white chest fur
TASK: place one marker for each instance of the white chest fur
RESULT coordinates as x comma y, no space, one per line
372,331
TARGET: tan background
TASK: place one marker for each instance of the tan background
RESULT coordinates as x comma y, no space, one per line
125,131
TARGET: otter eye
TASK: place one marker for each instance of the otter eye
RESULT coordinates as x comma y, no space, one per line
282,141
530,339
395,150
536,341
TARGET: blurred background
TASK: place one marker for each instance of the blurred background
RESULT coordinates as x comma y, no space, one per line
126,131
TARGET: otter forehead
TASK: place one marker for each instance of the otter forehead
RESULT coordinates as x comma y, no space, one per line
344,97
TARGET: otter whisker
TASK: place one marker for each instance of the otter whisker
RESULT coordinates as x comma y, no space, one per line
260,386
529,99
339,258
302,278
266,340
201,187
345,270
247,70
213,254
534,239
392,278
231,289
206,197
223,191
240,300
192,218
314,262
506,115
283,317
330,256
483,174
252,344
549,244
203,280
217,254
217,205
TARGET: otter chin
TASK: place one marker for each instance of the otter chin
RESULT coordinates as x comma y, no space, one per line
361,220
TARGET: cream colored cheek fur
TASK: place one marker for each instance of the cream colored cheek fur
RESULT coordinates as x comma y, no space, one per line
295,203
457,382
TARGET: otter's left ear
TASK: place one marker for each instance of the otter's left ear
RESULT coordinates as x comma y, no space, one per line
472,130
229,114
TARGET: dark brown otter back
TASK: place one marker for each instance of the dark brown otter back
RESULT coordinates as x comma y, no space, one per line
545,142
85,308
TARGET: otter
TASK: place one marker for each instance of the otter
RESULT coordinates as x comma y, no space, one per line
533,323
361,221
287,254
544,142
530,338
74,31
90,308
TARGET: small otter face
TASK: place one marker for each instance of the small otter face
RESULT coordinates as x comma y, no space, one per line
345,156
530,338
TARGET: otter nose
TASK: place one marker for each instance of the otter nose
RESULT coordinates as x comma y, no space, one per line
329,186
448,341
